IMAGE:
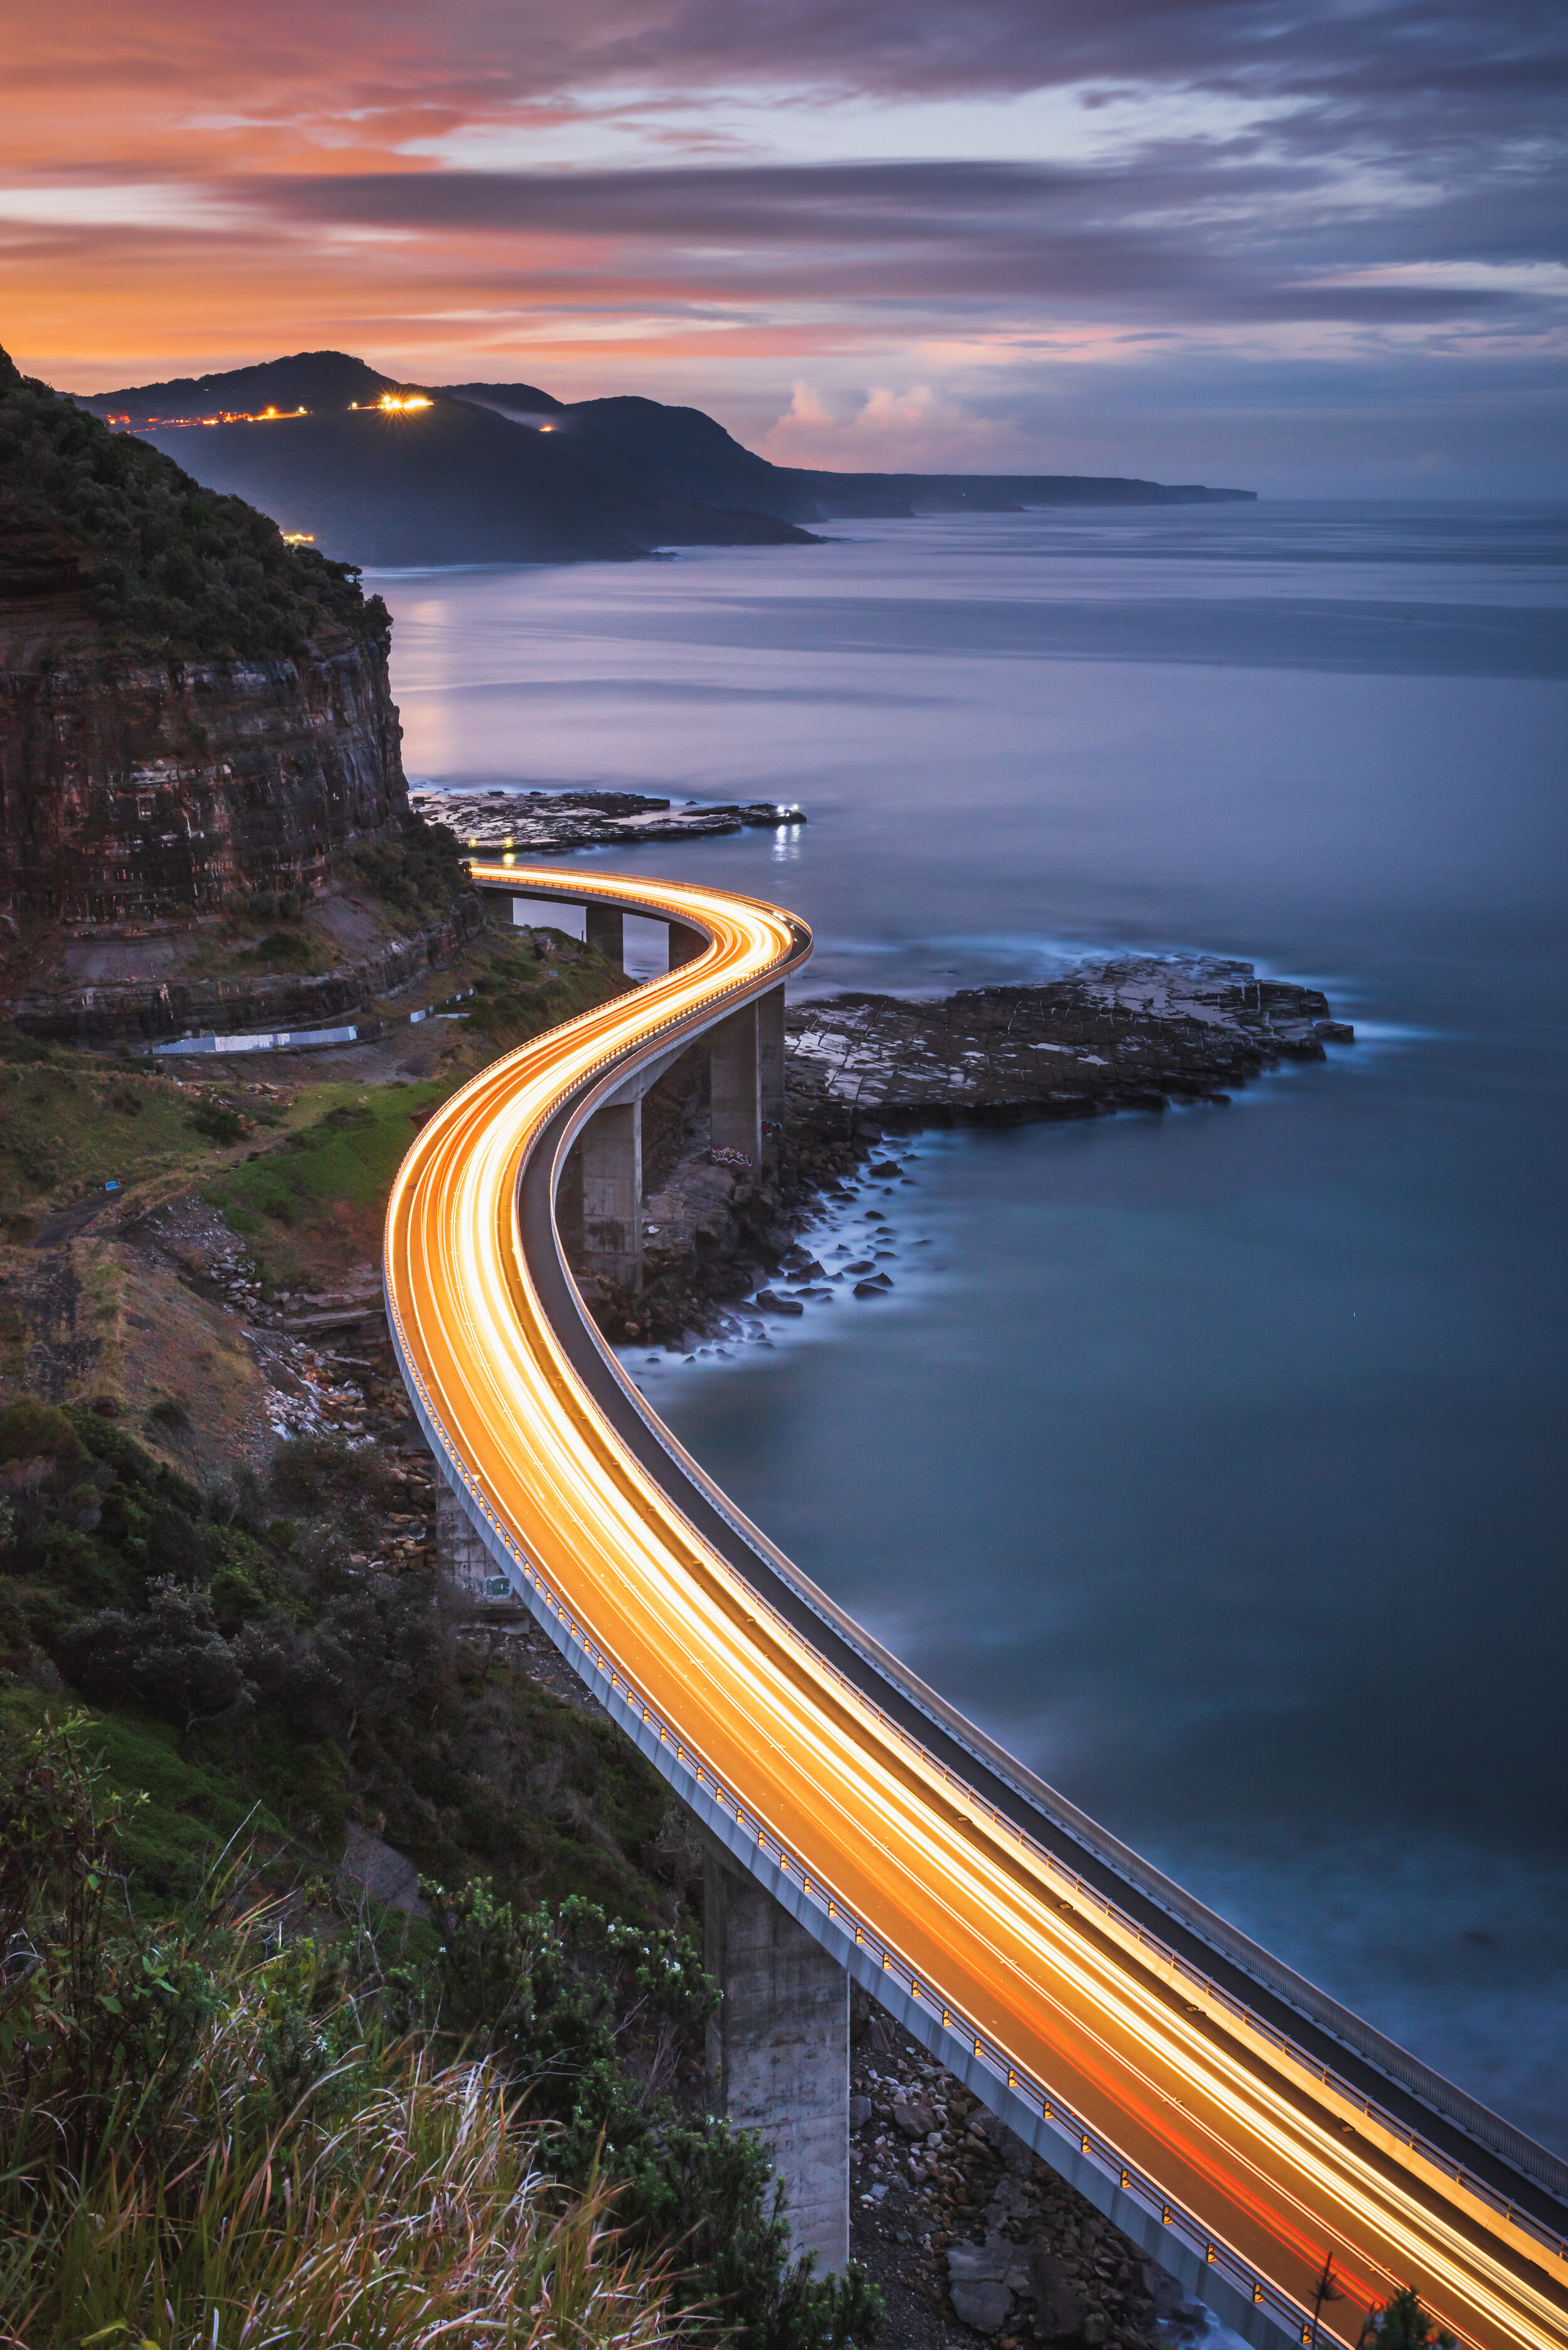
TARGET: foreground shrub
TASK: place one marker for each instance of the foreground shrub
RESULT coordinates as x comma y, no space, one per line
585,2016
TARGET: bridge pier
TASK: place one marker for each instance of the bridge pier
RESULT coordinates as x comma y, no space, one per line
685,944
611,1156
605,932
771,1075
778,2048
735,1103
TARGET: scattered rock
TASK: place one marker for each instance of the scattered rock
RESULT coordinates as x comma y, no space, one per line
983,2306
915,2121
1058,2303
387,1876
964,2226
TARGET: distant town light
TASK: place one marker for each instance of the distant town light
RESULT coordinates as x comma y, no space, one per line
300,538
390,400
224,416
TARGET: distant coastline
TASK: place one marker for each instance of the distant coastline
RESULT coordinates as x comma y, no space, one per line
374,471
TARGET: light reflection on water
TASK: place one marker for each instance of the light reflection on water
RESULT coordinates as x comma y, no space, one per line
1213,1463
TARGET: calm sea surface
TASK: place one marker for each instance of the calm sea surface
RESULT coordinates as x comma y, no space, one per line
1214,1461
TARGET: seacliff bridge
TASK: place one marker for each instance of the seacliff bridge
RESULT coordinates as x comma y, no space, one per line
1232,2120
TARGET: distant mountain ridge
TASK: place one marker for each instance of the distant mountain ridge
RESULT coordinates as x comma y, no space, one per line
499,473
308,380
688,454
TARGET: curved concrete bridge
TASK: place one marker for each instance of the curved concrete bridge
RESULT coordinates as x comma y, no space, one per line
1233,2121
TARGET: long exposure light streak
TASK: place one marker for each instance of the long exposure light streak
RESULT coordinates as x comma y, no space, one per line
1277,2161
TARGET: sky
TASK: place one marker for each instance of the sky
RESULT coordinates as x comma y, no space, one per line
1316,250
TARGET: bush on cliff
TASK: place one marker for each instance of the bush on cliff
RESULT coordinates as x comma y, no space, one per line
420,868
166,565
585,2017
247,1649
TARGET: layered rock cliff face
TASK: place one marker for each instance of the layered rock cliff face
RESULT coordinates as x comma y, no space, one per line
130,788
191,711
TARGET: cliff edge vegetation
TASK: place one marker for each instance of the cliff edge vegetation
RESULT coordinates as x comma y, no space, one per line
239,2067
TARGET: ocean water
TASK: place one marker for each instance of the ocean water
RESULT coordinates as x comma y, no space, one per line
1215,1462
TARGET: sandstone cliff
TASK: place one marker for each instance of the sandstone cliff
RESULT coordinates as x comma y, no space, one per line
129,789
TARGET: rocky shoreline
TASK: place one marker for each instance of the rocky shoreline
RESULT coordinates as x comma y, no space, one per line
1133,1034
557,823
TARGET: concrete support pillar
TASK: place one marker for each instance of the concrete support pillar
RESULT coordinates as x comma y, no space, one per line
778,2051
685,944
459,1555
771,1074
612,1192
605,932
569,1200
732,1065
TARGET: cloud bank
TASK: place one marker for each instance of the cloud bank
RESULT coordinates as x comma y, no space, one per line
1326,241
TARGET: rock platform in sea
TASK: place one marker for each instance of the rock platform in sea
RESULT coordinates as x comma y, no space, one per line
1137,1033
557,823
